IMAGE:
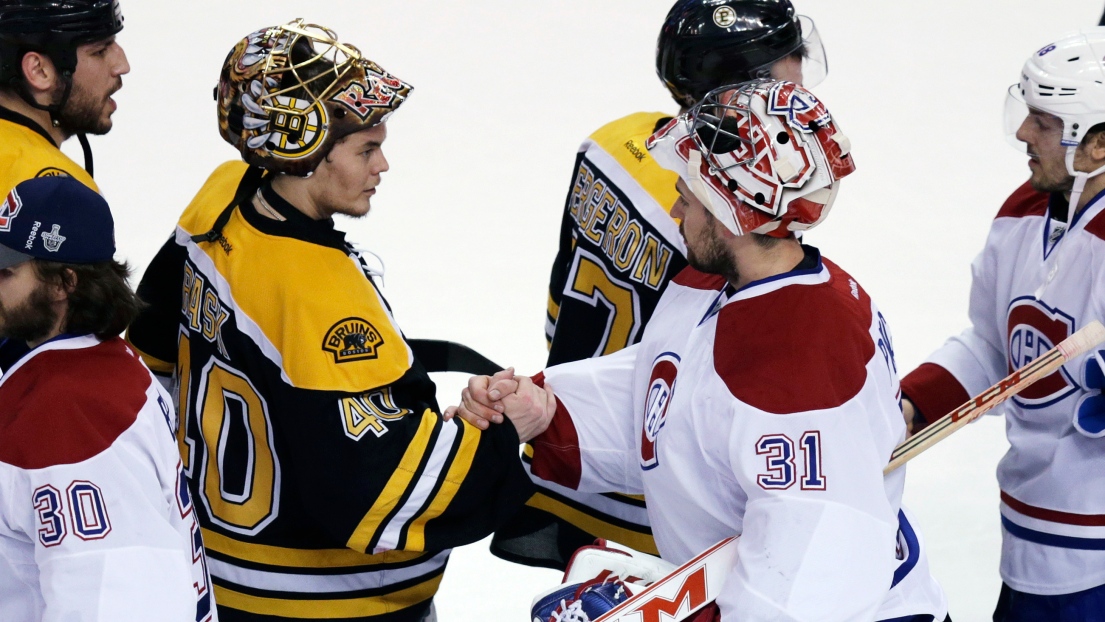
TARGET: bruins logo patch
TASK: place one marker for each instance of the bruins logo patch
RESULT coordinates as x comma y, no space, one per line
352,339
50,171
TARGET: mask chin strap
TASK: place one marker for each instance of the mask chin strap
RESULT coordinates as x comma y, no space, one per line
1080,179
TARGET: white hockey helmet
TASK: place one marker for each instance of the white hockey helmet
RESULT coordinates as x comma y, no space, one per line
763,157
1066,79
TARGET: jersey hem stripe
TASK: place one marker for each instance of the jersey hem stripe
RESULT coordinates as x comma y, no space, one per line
301,558
321,609
1053,516
1039,537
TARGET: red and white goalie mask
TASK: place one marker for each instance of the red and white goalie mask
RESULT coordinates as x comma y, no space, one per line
763,157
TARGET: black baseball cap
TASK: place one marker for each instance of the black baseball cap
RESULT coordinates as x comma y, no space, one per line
55,219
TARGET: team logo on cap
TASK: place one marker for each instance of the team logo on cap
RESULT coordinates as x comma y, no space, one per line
53,238
352,339
9,210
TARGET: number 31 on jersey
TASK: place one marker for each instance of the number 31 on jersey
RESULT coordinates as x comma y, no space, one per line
780,456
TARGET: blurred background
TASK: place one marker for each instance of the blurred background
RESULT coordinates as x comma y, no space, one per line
481,156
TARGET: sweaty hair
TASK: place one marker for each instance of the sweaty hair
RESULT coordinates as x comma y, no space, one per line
800,53
100,300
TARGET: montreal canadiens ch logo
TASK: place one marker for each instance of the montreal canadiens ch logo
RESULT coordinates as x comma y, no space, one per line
661,387
1035,328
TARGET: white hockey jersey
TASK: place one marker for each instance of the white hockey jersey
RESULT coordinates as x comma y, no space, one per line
767,412
96,524
1052,479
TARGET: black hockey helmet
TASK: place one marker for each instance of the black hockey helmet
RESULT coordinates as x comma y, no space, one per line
52,27
709,43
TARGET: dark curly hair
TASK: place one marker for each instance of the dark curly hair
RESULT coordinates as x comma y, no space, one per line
101,301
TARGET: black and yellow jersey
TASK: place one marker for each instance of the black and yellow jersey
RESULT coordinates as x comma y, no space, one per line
328,485
28,151
619,247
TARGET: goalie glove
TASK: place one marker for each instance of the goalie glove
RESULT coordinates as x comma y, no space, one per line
1089,413
597,579
579,602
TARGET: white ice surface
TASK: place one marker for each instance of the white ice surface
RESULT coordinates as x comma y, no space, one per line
467,219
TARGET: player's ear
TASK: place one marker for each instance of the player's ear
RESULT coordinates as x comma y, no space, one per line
39,72
1095,145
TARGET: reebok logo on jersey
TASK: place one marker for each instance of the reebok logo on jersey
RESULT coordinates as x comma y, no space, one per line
352,339
638,152
9,210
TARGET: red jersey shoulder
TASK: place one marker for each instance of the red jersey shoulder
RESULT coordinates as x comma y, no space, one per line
66,406
1025,201
689,277
798,348
1096,226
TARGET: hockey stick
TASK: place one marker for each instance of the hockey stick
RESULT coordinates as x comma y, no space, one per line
683,591
437,356
1071,347
696,583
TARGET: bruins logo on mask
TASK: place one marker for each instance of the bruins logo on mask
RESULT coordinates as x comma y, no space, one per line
352,339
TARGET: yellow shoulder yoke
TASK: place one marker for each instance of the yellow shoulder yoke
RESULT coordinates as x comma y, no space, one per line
624,140
312,303
24,154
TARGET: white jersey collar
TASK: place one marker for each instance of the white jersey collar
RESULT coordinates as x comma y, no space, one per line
810,276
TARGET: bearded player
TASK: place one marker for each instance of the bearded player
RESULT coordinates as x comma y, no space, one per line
729,420
619,247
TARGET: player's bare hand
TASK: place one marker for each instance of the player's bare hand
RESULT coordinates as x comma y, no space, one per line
529,407
910,413
476,404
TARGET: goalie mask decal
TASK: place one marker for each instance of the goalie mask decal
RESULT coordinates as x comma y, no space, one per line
377,96
764,157
286,93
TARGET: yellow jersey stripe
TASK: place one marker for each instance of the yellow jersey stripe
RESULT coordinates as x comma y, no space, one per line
397,485
632,155
554,309
458,471
300,558
322,609
599,528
